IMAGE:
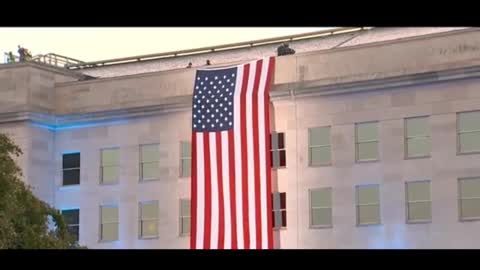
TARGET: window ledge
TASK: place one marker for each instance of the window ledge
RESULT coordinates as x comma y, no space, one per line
107,241
149,180
149,237
468,153
183,235
367,161
69,187
469,219
320,227
109,184
412,222
319,165
419,157
369,225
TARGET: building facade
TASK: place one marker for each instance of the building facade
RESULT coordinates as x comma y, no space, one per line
375,144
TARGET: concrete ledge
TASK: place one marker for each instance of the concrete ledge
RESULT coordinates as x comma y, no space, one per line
49,68
279,92
412,61
304,90
341,68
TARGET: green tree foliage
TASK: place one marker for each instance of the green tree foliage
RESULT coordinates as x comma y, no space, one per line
24,219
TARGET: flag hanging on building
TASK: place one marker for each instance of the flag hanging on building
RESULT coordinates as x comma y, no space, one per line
231,186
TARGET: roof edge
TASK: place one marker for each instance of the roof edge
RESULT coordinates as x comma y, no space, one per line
217,48
46,67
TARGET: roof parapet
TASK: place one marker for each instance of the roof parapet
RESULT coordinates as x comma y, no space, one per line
218,48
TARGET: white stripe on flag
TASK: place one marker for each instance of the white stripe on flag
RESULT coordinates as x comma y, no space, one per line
261,143
200,191
250,158
238,159
214,185
226,190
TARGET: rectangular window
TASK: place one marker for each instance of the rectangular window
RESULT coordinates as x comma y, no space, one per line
417,137
109,223
71,169
469,198
148,219
72,220
185,159
468,132
366,138
319,148
321,207
149,162
368,205
185,217
419,204
279,210
278,154
109,166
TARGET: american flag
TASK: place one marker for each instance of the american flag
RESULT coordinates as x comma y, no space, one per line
231,186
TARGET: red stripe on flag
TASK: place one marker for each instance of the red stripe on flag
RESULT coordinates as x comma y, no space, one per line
267,152
233,209
256,155
243,132
193,201
221,216
208,191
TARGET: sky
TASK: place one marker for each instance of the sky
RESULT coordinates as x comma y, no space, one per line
92,44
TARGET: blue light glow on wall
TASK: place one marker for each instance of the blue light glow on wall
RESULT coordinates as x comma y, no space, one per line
52,128
69,208
79,125
71,152
69,187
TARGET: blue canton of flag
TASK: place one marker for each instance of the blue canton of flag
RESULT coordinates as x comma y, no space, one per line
213,100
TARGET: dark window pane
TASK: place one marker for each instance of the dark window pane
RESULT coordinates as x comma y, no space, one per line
283,159
71,160
71,177
71,216
283,202
74,231
281,140
284,218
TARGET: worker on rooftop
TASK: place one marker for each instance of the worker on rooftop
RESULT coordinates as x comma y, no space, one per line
11,57
284,49
21,53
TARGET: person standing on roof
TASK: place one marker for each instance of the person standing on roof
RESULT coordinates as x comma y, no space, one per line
21,53
284,49
11,57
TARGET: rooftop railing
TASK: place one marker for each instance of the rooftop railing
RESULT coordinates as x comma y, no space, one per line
156,56
50,59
